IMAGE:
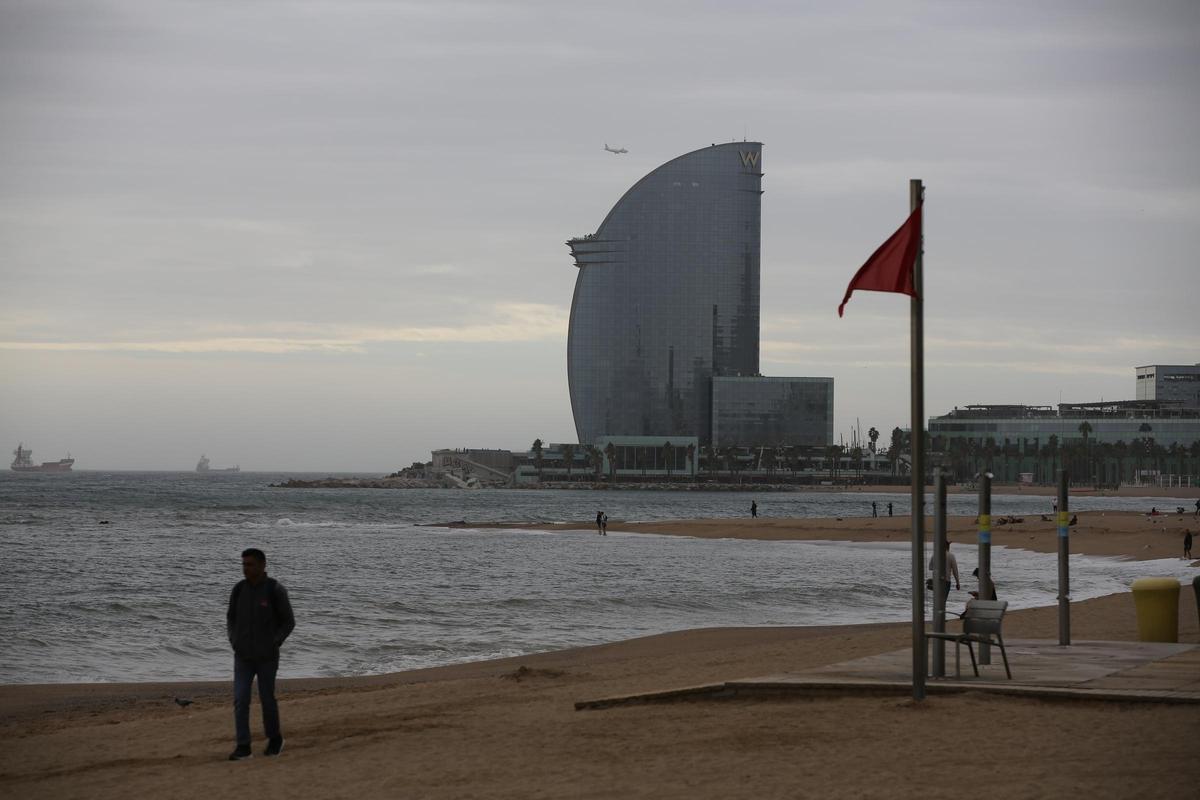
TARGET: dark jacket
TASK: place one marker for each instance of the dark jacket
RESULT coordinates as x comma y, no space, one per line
259,619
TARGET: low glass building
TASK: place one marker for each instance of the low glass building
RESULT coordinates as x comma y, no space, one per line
772,411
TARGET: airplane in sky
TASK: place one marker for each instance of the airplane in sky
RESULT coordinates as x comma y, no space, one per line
615,149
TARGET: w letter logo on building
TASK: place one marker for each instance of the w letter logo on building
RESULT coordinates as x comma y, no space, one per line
749,158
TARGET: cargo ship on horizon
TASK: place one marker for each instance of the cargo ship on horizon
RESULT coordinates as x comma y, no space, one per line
24,462
203,466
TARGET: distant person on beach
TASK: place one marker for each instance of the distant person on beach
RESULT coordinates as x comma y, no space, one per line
258,621
874,509
1187,543
599,523
1197,514
753,509
889,509
949,567
604,525
991,592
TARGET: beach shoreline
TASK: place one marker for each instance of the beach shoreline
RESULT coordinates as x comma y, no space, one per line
1120,534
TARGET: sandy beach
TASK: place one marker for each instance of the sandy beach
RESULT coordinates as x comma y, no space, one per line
508,728
1098,533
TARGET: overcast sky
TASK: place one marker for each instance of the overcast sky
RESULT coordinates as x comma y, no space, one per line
329,235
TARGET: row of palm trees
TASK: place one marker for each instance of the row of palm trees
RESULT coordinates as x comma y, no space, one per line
595,457
714,461
1095,462
1105,463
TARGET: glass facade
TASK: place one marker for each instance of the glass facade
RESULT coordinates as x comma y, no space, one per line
649,455
667,297
1103,430
772,411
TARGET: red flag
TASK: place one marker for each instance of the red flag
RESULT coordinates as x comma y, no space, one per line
890,268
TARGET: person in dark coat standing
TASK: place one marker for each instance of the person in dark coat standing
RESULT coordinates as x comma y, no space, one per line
1187,543
258,621
753,509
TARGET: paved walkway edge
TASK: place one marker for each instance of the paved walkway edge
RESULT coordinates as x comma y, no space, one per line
810,688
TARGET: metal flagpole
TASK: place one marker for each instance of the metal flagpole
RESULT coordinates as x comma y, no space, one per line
916,194
939,569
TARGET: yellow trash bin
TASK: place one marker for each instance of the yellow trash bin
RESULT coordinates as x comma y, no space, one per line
1157,603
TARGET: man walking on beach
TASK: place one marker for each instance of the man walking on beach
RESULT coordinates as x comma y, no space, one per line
258,621
753,509
889,509
1187,543
599,523
604,524
874,509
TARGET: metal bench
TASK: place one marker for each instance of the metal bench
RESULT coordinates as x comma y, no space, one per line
981,623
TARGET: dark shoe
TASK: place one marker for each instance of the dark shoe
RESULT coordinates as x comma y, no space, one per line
274,746
240,752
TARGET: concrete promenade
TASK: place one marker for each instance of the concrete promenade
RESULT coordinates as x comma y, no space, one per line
1086,670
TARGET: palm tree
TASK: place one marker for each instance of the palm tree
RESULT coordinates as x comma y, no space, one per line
895,448
1085,430
873,435
691,457
1176,453
610,452
1106,454
568,455
537,457
769,455
595,460
731,459
1121,451
834,454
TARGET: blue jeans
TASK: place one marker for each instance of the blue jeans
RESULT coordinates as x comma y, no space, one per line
244,671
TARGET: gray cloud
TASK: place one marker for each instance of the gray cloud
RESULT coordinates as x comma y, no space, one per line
378,194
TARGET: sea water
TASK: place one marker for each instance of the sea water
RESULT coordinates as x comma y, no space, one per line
126,576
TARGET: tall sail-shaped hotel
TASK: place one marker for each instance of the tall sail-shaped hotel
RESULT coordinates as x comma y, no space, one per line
665,318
